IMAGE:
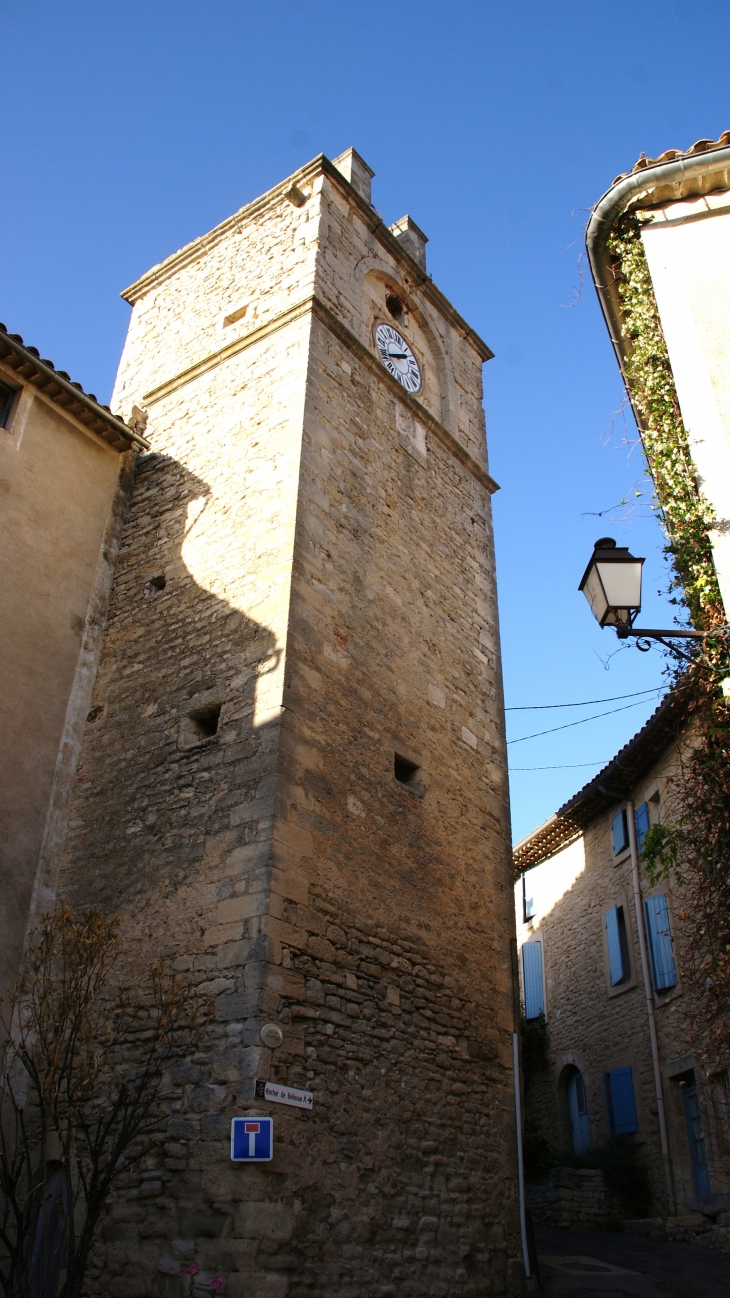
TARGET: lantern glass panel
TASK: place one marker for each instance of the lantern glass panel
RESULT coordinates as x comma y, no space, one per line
595,594
622,584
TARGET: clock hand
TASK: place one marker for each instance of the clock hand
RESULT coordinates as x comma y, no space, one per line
398,356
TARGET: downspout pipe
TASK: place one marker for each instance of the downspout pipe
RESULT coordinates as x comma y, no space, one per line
520,1162
650,1010
615,202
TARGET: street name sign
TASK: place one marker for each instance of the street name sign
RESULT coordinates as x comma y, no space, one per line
284,1094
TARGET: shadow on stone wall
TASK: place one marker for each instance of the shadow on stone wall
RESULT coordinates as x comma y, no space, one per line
171,757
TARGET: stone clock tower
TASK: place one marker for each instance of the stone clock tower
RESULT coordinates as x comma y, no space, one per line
293,779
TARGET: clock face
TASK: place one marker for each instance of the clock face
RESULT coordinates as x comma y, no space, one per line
397,357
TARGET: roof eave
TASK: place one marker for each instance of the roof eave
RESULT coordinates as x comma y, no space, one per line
612,784
689,175
69,396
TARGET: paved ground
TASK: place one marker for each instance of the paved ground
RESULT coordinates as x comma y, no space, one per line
594,1264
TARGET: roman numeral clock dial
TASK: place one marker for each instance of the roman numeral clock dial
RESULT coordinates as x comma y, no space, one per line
397,357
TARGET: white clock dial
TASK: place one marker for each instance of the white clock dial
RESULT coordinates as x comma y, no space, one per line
397,357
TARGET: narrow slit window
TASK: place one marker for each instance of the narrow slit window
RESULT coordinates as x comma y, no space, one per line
235,316
405,771
204,722
7,397
155,586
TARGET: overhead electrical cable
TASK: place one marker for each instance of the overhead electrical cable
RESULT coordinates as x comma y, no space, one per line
569,724
573,766
538,707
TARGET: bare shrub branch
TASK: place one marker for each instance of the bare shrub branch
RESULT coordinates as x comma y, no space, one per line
81,1094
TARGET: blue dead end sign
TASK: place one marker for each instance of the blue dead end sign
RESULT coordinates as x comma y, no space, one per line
252,1140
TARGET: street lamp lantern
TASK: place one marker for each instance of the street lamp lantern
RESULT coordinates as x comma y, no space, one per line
612,584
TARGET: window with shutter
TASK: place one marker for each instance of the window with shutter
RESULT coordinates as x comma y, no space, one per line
618,947
528,902
620,832
532,979
660,942
622,1118
641,817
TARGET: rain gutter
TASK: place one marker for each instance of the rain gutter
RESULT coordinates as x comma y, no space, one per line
680,173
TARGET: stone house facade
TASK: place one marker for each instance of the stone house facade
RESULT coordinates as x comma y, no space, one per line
292,782
65,464
598,958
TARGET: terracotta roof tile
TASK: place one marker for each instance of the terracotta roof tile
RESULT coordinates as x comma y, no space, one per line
614,783
30,367
700,146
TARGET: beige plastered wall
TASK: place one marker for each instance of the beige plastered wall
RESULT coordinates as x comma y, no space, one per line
687,248
58,490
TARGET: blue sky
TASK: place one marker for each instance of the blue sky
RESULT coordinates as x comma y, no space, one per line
138,126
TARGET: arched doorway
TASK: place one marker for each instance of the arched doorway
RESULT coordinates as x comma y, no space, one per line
580,1133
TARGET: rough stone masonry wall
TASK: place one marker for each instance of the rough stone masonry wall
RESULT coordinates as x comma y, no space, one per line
392,648
167,834
398,1211
589,1027
253,268
280,864
574,1198
596,1027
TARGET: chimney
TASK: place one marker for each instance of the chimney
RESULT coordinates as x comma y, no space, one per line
412,239
356,170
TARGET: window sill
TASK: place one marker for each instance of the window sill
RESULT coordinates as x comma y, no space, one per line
620,988
666,998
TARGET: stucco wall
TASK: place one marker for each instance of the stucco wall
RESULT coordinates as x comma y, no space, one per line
58,488
688,251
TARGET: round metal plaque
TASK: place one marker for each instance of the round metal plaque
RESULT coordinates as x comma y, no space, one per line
272,1035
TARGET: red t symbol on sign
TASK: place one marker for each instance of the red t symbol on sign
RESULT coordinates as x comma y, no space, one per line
251,1128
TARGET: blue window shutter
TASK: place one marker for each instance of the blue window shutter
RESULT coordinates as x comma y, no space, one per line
532,979
615,949
641,817
660,942
621,1105
620,832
